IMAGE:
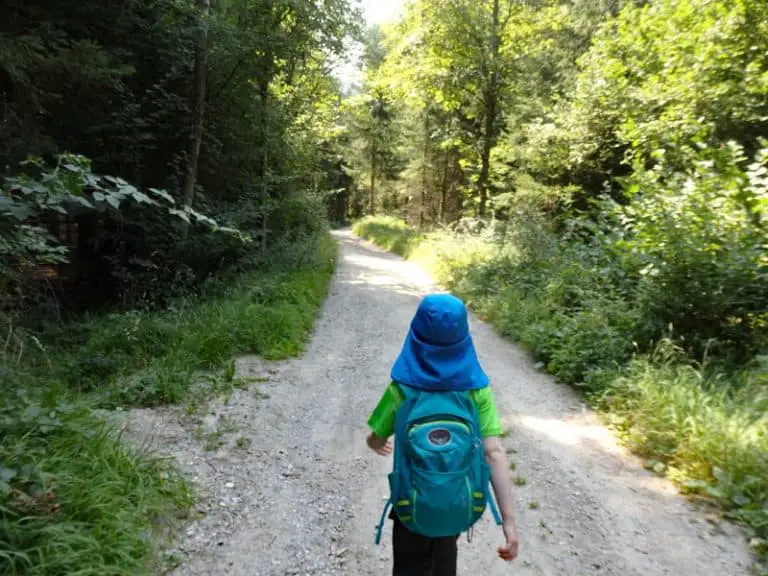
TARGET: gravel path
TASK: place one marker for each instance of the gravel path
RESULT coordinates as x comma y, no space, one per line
290,488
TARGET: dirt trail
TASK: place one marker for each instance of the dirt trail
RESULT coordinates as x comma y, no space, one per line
292,489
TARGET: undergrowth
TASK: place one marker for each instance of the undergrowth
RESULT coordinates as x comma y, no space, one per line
149,358
702,422
74,499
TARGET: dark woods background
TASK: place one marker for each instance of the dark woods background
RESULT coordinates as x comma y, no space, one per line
227,105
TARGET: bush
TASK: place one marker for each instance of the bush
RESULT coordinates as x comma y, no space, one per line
122,244
697,241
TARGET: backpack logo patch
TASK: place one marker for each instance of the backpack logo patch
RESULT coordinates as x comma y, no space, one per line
439,437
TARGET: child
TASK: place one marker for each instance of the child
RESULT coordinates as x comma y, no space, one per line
441,406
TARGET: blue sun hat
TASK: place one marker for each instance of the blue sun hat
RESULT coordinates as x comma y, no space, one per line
438,353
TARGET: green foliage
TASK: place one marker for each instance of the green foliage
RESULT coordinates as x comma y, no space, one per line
698,242
668,74
73,500
389,233
41,198
706,428
577,302
149,358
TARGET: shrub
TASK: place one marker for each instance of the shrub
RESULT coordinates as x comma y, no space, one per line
698,241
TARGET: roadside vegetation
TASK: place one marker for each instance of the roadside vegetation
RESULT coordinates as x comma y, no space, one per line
592,179
168,172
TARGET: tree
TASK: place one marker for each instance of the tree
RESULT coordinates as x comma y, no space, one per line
372,123
211,101
198,108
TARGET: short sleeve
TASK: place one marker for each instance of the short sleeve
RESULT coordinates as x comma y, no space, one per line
490,423
382,419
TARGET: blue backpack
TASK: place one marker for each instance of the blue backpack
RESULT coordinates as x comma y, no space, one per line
439,485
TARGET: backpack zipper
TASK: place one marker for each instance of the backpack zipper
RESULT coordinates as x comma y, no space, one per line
415,427
471,501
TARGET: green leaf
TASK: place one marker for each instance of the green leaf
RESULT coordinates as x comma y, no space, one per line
113,201
162,194
81,200
7,474
142,198
179,214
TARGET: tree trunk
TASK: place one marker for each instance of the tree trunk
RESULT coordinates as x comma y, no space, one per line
491,111
444,187
264,161
373,179
423,195
201,69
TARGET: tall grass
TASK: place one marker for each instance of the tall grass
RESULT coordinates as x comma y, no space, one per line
703,426
73,499
76,501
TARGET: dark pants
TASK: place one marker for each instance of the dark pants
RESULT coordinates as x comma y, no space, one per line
417,555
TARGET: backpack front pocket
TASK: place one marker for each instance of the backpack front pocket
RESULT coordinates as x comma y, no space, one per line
442,503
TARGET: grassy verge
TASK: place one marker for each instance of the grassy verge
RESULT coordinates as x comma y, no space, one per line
704,427
148,359
389,233
73,499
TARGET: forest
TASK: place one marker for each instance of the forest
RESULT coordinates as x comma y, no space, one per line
591,176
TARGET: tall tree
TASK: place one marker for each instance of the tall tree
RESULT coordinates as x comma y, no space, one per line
490,101
198,107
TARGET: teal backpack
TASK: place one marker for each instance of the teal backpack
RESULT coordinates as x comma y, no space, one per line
440,482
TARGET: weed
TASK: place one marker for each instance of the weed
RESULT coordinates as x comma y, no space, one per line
243,443
520,481
213,440
226,425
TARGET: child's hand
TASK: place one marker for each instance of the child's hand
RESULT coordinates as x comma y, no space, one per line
382,446
511,549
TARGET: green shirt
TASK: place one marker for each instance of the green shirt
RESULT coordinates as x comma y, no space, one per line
382,420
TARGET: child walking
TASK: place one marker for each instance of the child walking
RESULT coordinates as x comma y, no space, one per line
447,447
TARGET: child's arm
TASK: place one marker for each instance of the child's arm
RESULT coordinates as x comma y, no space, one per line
502,488
382,421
